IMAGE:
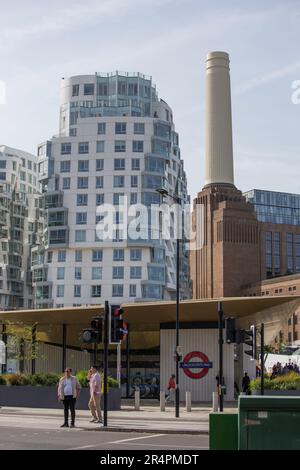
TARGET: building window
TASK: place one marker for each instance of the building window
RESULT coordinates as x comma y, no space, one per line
75,90
77,291
82,182
295,319
99,164
118,272
78,256
290,252
117,290
101,127
135,164
97,255
118,255
118,198
80,236
49,256
83,165
88,89
99,199
65,148
99,182
60,291
139,128
119,181
96,291
295,335
96,272
119,164
268,245
83,147
78,273
65,166
138,146
61,256
135,272
277,253
289,337
134,181
132,290
297,253
82,199
81,218
120,146
66,183
100,146
120,128
60,274
135,254
133,198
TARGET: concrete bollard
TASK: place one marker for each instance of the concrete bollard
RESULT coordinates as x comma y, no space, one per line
215,402
137,400
188,401
162,400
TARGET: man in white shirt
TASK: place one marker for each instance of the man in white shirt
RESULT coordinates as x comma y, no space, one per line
68,391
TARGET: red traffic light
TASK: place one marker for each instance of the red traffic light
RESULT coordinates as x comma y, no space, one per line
118,312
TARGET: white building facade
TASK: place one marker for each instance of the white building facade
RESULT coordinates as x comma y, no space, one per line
19,224
116,140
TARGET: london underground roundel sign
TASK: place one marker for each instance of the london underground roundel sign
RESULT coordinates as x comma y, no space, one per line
204,365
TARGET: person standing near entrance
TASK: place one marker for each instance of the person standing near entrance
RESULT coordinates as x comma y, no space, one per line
95,398
68,391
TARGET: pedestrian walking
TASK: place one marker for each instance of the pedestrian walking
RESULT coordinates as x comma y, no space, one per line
68,391
171,388
246,384
95,395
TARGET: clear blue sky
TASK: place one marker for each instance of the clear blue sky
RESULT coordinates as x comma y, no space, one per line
40,42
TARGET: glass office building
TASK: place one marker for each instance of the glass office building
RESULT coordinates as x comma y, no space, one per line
275,207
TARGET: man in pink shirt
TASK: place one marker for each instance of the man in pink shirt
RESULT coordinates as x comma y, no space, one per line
95,391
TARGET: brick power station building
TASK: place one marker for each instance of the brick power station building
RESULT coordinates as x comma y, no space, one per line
251,241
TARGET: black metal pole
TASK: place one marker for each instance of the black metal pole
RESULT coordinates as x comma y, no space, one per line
4,339
64,347
220,385
95,354
127,364
262,357
33,349
105,372
177,393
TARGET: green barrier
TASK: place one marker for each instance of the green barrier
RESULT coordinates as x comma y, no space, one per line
223,431
269,423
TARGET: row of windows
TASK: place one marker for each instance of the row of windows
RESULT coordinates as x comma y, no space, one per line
120,146
118,182
82,199
96,273
117,290
84,165
97,255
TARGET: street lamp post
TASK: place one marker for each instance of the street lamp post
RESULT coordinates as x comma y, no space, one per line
177,199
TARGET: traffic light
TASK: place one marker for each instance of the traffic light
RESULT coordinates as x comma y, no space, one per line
116,326
250,340
230,330
94,333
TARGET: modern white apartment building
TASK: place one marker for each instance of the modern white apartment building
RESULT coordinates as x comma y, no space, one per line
116,139
19,224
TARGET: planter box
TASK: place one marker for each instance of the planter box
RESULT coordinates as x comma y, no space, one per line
278,393
46,397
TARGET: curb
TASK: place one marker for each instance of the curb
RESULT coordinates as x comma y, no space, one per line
150,431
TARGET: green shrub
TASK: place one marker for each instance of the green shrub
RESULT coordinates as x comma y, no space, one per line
112,383
43,380
82,378
2,380
16,379
289,381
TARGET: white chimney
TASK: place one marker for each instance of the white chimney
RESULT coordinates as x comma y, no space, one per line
218,123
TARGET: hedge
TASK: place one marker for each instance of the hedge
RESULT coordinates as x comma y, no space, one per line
289,381
46,380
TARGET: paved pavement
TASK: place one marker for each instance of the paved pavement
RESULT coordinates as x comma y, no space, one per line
148,419
20,438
